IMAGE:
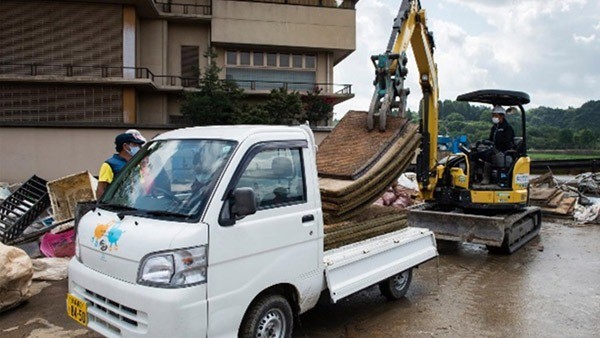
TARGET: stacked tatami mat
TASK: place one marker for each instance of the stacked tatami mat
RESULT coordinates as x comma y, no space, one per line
372,221
344,198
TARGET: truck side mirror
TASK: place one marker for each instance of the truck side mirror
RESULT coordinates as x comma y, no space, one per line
244,202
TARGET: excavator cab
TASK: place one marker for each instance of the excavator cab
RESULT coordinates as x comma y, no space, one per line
496,172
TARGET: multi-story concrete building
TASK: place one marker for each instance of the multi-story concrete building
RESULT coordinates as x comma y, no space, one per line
81,66
128,61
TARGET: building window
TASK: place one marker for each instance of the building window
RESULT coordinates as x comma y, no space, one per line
297,61
284,60
310,61
190,61
258,59
272,59
231,58
264,71
245,58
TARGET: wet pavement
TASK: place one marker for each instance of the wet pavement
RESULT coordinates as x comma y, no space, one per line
549,288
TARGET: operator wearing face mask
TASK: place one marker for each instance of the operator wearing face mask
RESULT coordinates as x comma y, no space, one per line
502,134
127,145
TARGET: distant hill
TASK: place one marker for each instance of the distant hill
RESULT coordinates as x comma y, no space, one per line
547,128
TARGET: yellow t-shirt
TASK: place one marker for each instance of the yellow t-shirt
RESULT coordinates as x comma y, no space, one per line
106,173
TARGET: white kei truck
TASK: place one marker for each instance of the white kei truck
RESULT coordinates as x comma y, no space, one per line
218,232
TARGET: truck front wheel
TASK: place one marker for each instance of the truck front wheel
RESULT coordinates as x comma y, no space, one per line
396,286
269,317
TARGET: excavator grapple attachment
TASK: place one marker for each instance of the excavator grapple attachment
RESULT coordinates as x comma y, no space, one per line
502,232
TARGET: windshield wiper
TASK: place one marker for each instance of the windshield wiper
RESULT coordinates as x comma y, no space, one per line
117,206
166,213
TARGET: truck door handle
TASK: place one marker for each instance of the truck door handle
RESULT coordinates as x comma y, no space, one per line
308,218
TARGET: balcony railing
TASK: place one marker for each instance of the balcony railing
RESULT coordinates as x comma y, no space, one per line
95,71
344,4
326,88
183,8
126,73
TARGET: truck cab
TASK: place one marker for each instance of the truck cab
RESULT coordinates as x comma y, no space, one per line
218,231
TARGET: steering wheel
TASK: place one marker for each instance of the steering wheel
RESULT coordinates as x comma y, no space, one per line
485,143
158,191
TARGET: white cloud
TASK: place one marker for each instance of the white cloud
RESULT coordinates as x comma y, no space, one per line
584,39
527,45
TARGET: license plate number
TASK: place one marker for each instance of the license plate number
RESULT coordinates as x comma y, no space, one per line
77,309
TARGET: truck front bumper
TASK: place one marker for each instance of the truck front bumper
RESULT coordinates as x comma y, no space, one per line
121,309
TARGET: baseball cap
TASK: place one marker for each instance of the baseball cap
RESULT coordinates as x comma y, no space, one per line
136,133
127,138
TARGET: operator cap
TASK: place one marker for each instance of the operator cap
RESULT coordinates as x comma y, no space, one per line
498,110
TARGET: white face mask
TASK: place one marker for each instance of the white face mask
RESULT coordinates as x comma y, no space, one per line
133,150
495,120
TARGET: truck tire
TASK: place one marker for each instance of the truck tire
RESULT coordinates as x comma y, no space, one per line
269,317
396,286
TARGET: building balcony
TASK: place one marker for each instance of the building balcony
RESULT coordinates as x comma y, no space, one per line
184,8
145,80
342,4
333,93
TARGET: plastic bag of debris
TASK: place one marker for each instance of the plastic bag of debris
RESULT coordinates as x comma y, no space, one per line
589,183
587,215
15,277
58,245
50,268
409,181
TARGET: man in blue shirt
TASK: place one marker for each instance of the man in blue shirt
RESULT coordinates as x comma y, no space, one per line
127,145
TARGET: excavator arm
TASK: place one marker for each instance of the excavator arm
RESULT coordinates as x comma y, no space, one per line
410,28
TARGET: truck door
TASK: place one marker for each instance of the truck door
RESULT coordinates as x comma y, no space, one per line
278,244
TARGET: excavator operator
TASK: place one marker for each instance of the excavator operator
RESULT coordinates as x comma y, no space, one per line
502,134
501,139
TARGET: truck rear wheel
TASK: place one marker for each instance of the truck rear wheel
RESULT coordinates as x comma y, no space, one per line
396,286
269,317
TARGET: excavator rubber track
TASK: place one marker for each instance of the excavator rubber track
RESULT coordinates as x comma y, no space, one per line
502,232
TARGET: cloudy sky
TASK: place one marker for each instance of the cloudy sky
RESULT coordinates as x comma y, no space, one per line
547,48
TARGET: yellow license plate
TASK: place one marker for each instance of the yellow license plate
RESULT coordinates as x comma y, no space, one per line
77,309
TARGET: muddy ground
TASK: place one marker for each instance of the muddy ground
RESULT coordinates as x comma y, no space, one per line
550,288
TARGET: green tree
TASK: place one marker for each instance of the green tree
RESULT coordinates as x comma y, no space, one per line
283,107
316,108
585,139
455,117
253,114
216,101
565,138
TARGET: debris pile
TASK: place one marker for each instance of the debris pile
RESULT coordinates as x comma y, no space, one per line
33,228
402,194
552,197
587,183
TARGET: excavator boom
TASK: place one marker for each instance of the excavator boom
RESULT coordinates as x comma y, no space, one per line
409,29
497,217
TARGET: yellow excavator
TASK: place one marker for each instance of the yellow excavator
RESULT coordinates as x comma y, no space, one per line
466,199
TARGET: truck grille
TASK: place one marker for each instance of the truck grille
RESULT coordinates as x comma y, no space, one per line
110,316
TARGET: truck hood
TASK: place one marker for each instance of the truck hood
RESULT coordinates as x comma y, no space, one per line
115,247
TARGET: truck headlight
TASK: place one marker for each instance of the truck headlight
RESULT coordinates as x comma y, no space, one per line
174,269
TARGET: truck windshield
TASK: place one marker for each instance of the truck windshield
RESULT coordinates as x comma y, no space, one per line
171,178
